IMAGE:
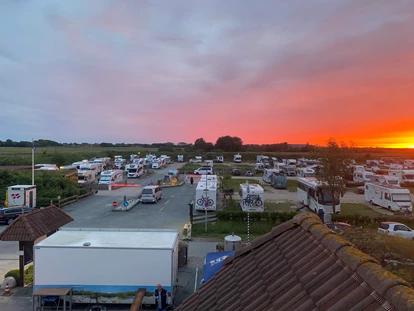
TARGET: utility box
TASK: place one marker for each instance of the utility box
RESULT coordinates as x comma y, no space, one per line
21,195
232,242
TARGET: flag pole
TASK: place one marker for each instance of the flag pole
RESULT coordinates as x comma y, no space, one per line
32,162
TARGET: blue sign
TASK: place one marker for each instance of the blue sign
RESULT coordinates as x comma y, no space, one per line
206,204
126,204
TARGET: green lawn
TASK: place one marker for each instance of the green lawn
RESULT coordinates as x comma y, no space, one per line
292,185
358,209
235,183
281,207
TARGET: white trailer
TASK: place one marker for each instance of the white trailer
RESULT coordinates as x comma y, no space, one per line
387,196
134,170
237,158
206,196
405,176
251,197
21,195
113,262
86,176
96,167
111,177
362,176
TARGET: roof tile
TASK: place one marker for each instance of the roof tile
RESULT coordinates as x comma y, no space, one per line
401,297
334,242
353,257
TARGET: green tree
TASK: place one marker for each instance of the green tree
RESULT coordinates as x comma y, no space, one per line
229,144
201,144
334,159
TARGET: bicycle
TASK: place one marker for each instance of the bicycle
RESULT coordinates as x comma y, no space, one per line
203,200
249,201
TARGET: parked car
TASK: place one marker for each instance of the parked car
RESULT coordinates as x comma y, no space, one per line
151,194
204,170
396,229
249,173
236,172
9,214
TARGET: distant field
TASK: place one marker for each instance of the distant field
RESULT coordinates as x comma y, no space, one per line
74,149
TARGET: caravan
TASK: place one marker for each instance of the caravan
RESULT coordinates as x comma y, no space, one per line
237,158
206,196
96,167
312,195
305,172
387,196
362,176
385,179
134,170
111,177
405,176
119,163
251,197
86,176
289,170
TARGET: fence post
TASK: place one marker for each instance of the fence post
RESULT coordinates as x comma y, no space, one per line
59,201
77,198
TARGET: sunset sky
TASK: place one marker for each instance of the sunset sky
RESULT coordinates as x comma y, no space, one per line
157,71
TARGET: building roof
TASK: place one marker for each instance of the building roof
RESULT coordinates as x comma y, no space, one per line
301,265
30,226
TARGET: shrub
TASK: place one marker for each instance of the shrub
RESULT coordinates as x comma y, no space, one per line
15,274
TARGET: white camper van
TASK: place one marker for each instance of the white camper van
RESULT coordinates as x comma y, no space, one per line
156,164
251,197
237,158
206,196
362,176
134,170
111,177
385,179
305,172
86,176
390,197
209,178
96,167
289,170
405,176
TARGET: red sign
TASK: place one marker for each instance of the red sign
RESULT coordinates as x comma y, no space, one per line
114,203
15,196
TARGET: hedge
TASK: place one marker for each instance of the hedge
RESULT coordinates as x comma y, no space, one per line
359,220
15,274
240,216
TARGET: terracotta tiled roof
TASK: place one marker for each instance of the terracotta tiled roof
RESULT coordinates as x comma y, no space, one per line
30,226
301,265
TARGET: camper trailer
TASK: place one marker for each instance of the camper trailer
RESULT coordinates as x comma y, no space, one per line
86,176
305,172
134,170
251,197
405,176
259,167
362,176
237,158
206,196
387,196
111,177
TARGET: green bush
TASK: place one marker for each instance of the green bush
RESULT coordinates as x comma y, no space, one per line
358,220
15,274
240,216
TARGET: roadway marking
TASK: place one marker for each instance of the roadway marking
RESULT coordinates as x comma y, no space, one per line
161,209
166,202
195,283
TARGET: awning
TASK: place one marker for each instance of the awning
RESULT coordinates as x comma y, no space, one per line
212,263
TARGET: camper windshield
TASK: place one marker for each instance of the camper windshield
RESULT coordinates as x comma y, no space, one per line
325,197
132,170
147,191
105,178
401,197
81,177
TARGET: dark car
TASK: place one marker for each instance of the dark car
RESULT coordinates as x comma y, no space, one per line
9,214
236,172
249,173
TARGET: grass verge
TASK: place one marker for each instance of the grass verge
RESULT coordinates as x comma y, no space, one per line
358,209
292,185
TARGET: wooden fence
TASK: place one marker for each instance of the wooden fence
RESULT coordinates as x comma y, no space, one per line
201,218
72,199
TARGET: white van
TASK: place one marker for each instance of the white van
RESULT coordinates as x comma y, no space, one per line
134,170
251,197
111,177
96,167
237,158
151,194
86,177
206,196
204,170
387,196
362,176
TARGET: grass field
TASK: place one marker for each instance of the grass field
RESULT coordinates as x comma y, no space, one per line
358,209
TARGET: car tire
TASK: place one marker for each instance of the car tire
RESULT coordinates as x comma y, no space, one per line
10,221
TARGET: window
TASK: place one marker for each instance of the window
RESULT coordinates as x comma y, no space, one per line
147,191
387,196
401,197
384,226
401,228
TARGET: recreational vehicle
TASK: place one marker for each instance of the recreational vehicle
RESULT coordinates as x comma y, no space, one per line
167,159
134,170
291,162
111,177
96,167
405,176
312,195
197,159
259,167
119,163
209,163
206,196
209,178
267,174
385,179
289,170
68,167
237,158
278,165
409,164
387,196
251,197
362,176
305,172
278,180
156,164
86,176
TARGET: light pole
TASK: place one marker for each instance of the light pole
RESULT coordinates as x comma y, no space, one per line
206,205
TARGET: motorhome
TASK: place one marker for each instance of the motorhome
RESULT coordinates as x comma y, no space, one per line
259,167
315,197
79,163
111,177
356,168
68,167
305,172
206,196
267,174
209,163
139,161
156,164
96,167
362,176
103,161
278,165
291,162
405,176
409,164
385,179
86,176
132,157
388,196
219,159
180,158
289,170
394,166
251,197
119,163
166,159
237,158
134,170
278,180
